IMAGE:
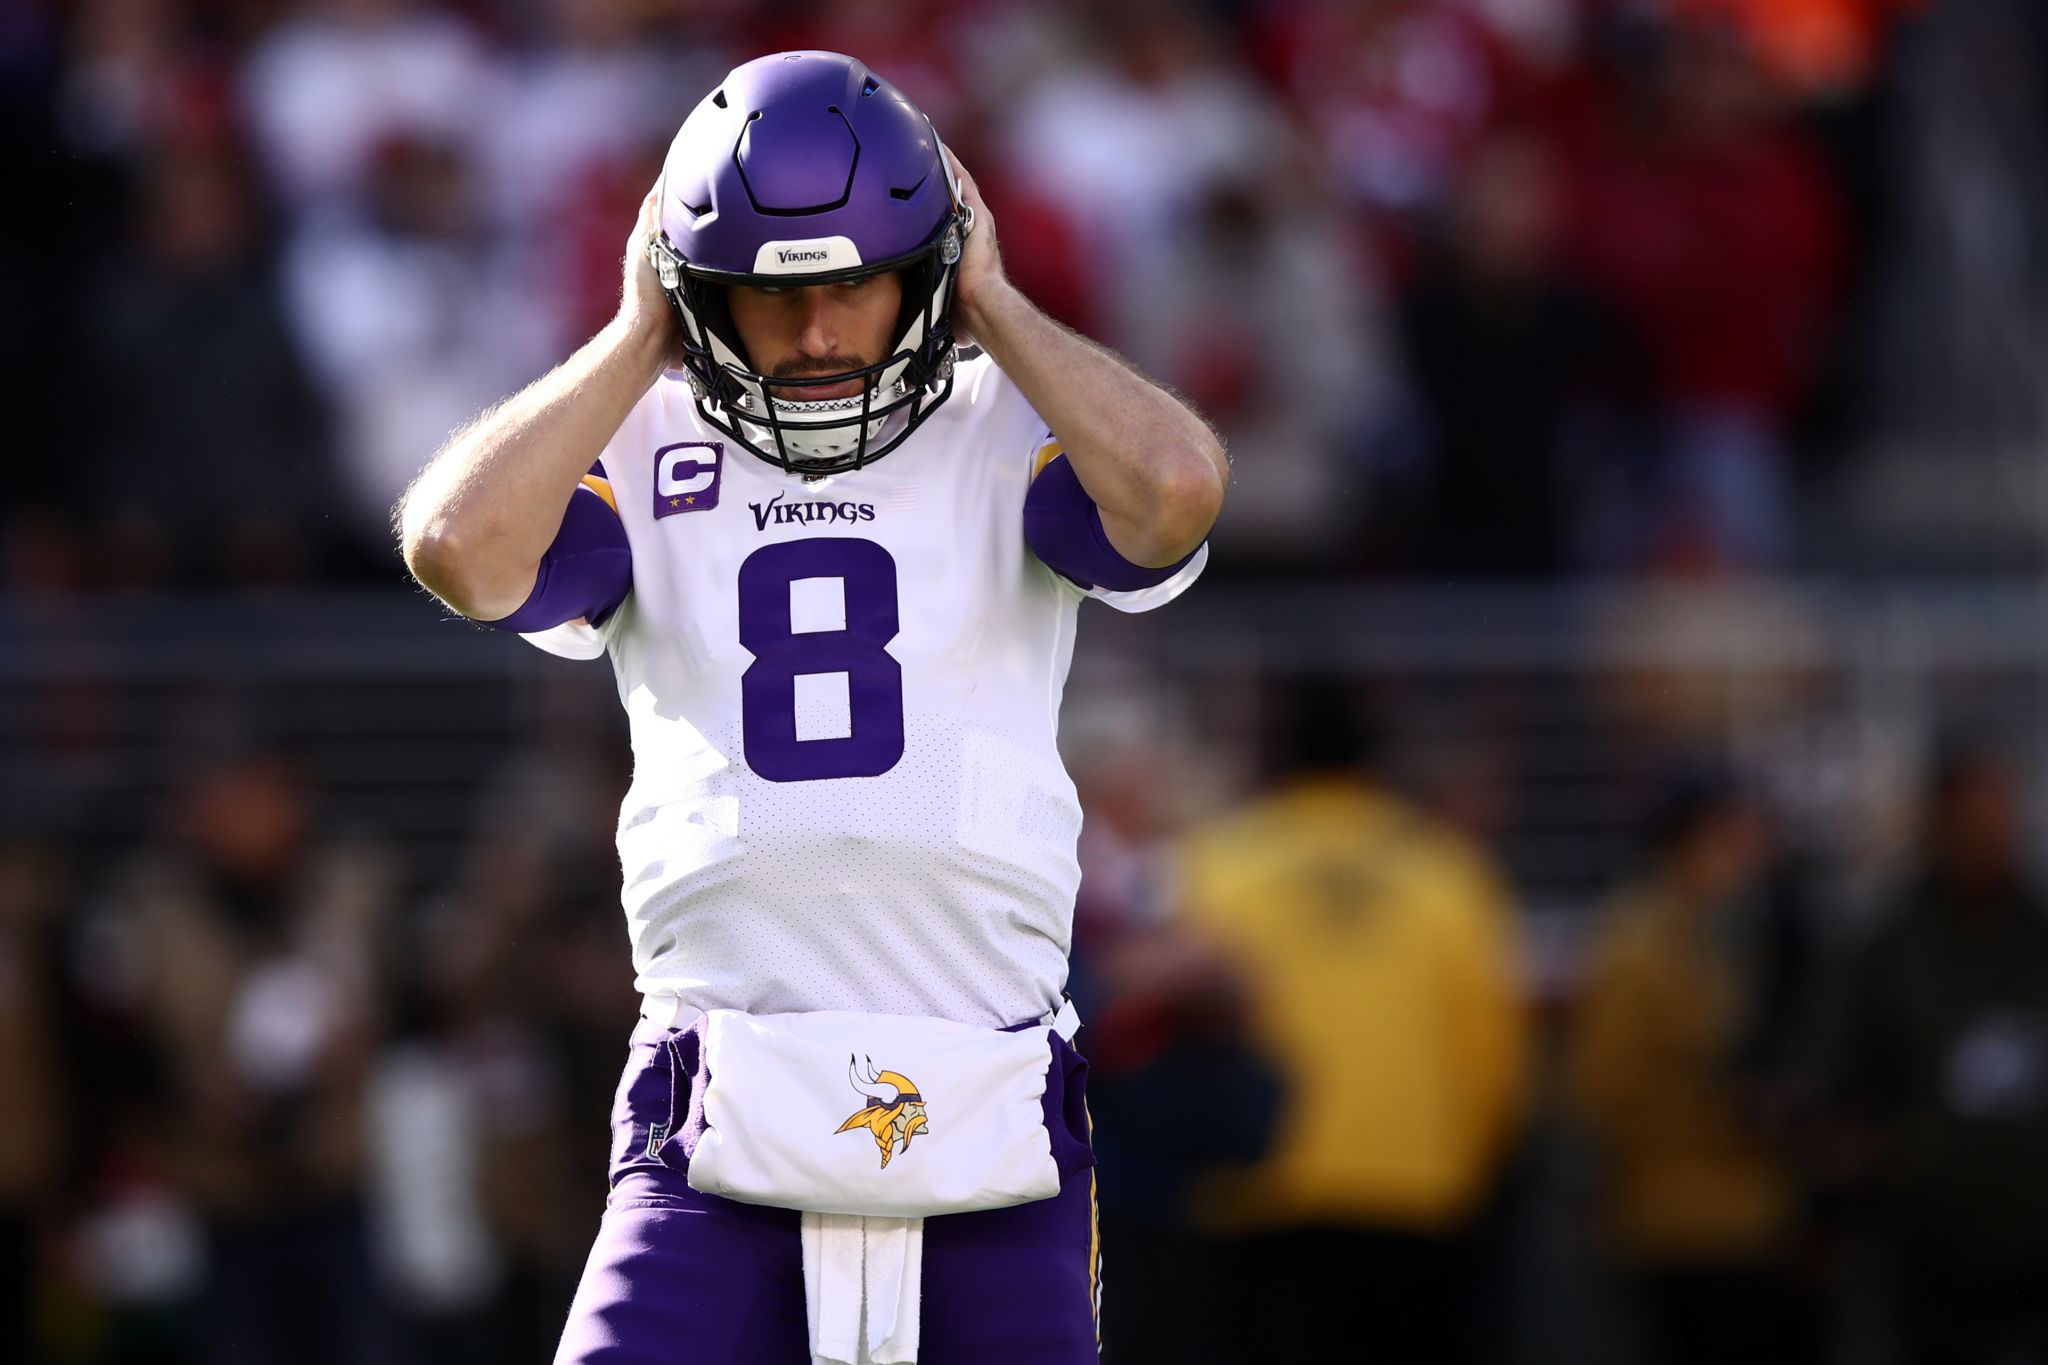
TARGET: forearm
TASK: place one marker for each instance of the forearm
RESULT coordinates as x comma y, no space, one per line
1150,463
477,520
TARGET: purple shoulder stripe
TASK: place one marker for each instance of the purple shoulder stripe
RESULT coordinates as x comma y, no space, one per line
1063,527
587,571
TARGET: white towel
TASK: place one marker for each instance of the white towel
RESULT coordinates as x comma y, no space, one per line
863,1278
779,1090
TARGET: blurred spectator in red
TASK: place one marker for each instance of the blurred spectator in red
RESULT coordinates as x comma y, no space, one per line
255,938
1713,228
1505,353
1936,1063
917,45
1382,964
1395,92
1694,1198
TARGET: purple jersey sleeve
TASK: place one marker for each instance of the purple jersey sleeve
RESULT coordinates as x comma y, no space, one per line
1063,527
585,573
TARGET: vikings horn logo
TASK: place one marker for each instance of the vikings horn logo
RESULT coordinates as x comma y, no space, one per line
894,1112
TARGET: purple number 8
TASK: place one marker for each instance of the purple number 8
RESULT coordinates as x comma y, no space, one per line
874,680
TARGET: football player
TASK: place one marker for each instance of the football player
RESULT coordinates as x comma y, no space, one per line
828,491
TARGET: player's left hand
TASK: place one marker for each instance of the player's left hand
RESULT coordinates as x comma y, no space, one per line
981,261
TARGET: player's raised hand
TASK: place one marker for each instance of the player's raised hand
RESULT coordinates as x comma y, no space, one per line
981,261
643,308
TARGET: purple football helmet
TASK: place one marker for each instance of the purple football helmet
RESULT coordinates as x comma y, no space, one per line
804,168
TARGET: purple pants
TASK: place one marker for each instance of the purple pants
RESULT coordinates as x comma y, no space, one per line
682,1278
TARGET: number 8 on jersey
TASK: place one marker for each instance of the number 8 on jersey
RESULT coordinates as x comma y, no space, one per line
783,653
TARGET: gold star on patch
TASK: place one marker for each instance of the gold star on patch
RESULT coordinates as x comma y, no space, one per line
673,502
692,500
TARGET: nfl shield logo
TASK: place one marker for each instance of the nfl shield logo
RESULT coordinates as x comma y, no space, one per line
686,477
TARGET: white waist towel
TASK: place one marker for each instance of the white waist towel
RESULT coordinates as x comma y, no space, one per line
863,1278
781,1092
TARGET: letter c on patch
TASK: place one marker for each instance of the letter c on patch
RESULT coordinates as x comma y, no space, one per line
686,477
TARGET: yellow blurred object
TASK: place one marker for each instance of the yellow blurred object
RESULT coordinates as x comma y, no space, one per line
1683,1179
1381,959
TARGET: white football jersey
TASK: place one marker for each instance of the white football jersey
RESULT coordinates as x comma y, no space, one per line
844,698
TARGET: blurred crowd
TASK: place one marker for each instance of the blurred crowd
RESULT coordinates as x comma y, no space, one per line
270,1099
1546,290
1474,287
267,1101
1340,1121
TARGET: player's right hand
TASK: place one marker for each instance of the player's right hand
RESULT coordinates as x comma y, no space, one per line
643,308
